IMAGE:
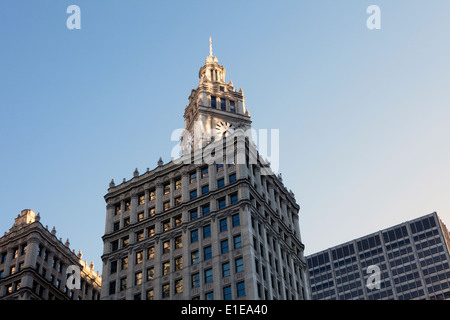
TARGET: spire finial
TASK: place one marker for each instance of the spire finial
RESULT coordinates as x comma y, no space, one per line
210,47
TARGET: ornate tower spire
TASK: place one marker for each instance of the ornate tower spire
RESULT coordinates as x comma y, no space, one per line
215,107
210,47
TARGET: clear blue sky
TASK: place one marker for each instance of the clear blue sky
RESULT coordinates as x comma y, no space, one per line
364,115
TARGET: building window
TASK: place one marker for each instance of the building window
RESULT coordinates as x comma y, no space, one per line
227,293
138,278
193,177
125,241
232,106
220,183
178,221
235,220
193,194
117,209
226,269
239,264
213,102
205,189
194,236
140,236
224,246
208,275
221,203
195,257
232,177
150,273
112,287
166,290
223,105
240,286
116,226
237,241
195,280
150,253
166,225
178,201
167,188
126,222
204,173
205,210
151,231
178,286
178,242
234,198
178,263
177,184
139,257
113,267
150,294
207,253
166,205
151,212
166,246
206,231
193,214
114,245
209,295
123,284
166,268
24,249
223,225
141,199
152,195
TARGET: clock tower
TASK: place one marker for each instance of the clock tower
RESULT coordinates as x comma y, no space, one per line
215,110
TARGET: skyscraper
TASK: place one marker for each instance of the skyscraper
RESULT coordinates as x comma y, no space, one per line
214,223
406,261
34,264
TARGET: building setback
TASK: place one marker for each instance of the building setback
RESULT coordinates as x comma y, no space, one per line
197,230
412,259
33,264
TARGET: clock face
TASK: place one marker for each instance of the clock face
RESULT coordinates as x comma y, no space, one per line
224,129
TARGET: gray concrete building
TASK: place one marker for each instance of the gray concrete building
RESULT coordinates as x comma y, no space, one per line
197,229
33,264
409,261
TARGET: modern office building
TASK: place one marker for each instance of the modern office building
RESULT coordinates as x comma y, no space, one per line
33,265
192,229
404,262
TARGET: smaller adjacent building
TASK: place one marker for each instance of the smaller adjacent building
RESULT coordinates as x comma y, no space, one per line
409,261
34,265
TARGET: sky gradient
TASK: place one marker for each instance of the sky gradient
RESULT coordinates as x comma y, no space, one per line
363,114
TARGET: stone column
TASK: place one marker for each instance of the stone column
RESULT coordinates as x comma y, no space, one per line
134,205
122,211
172,192
212,168
199,178
159,195
110,208
185,187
